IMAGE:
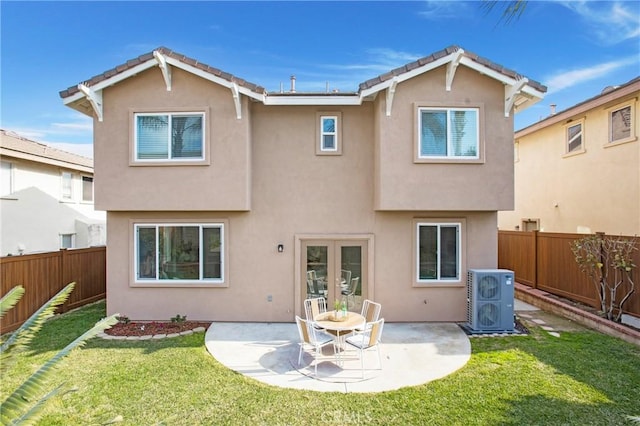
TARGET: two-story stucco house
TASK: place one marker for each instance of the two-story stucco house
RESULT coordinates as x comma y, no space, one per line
46,200
227,202
578,170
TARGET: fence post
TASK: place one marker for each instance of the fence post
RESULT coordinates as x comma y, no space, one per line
63,261
535,259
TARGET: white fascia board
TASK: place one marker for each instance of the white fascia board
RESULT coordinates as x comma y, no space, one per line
313,100
215,79
113,80
9,153
407,75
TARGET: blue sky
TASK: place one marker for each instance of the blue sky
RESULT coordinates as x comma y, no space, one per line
576,48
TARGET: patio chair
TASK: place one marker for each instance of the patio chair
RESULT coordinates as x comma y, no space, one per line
314,338
345,278
314,306
370,312
367,340
350,291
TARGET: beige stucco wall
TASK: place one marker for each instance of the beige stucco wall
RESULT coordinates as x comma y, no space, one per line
408,185
597,190
222,181
268,185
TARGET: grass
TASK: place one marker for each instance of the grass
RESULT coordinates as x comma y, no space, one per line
581,378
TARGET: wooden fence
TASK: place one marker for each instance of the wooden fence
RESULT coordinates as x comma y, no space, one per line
544,260
45,274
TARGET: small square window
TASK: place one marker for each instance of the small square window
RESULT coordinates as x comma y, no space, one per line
67,241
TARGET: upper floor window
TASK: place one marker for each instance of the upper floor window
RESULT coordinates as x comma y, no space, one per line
438,252
574,138
448,133
67,241
329,133
172,253
620,125
7,178
87,188
67,186
173,137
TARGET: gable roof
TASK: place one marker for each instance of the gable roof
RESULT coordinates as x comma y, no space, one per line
15,146
609,94
520,92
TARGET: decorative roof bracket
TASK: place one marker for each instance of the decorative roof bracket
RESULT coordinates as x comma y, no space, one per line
391,91
235,91
452,67
95,99
164,67
511,92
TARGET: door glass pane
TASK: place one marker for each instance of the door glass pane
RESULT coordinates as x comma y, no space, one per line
351,276
317,266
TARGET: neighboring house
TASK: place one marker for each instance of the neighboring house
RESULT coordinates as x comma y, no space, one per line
578,170
226,202
46,199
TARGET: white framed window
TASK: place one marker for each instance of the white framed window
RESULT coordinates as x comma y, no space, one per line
438,251
621,126
169,136
67,186
179,252
574,137
7,177
87,189
67,241
448,133
328,133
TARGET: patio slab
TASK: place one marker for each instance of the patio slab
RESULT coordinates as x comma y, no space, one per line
412,354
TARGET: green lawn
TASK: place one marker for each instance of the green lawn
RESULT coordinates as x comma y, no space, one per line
581,378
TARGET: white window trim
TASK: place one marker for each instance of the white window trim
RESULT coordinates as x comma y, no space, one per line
71,197
169,160
579,122
204,282
632,135
73,240
460,255
92,189
320,149
420,106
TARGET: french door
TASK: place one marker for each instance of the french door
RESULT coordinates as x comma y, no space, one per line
335,270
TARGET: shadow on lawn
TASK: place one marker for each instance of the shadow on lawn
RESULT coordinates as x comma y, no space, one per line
607,364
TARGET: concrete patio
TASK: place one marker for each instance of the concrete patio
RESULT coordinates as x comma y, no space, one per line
412,354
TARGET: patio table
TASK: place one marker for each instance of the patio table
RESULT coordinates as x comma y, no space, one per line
340,327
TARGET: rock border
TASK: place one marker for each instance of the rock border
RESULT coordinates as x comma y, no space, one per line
106,336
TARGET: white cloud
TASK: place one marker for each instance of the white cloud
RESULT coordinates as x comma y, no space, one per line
438,10
566,79
611,22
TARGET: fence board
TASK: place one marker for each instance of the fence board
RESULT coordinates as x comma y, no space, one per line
43,275
544,260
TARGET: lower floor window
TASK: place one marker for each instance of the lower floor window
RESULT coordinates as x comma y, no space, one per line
438,252
67,241
188,252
